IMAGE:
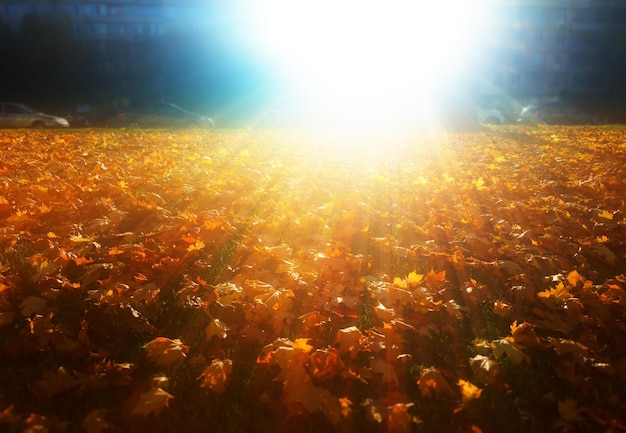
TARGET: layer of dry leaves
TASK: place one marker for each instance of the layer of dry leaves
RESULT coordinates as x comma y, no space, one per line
274,281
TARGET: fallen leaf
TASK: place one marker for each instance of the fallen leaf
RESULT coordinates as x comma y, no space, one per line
469,391
152,401
217,375
512,350
33,304
166,352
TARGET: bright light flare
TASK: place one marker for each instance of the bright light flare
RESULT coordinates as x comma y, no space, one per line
364,63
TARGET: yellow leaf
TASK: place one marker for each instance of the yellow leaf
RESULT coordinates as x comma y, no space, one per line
605,214
469,391
479,183
399,282
196,247
302,344
560,292
414,278
574,278
81,238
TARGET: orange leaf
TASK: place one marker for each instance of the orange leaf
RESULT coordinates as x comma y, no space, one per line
216,328
166,352
152,401
432,384
435,280
217,375
348,339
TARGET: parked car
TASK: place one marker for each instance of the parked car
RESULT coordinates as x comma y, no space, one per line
555,113
14,115
161,115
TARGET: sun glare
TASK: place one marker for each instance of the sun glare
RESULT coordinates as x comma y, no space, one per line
360,63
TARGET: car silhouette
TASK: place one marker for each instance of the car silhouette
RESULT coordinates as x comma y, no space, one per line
555,113
14,115
160,115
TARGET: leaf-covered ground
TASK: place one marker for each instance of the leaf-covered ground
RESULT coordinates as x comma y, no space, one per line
263,281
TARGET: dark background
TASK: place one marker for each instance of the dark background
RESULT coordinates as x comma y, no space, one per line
52,59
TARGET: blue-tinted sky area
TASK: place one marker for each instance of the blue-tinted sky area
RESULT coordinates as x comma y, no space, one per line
346,61
365,61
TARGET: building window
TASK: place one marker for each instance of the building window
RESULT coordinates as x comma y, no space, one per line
70,8
560,39
100,29
90,9
558,60
536,61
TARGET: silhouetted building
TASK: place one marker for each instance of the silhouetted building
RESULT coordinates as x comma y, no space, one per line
572,48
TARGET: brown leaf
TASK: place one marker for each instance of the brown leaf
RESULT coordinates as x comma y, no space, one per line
433,384
152,401
56,382
33,304
95,422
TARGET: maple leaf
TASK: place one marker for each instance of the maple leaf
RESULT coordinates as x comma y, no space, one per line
166,352
6,318
469,391
435,280
433,384
349,339
56,382
325,364
413,279
95,421
399,420
525,335
479,183
605,214
486,371
302,344
385,369
152,401
384,313
512,350
560,292
217,375
574,278
33,304
216,328
568,410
